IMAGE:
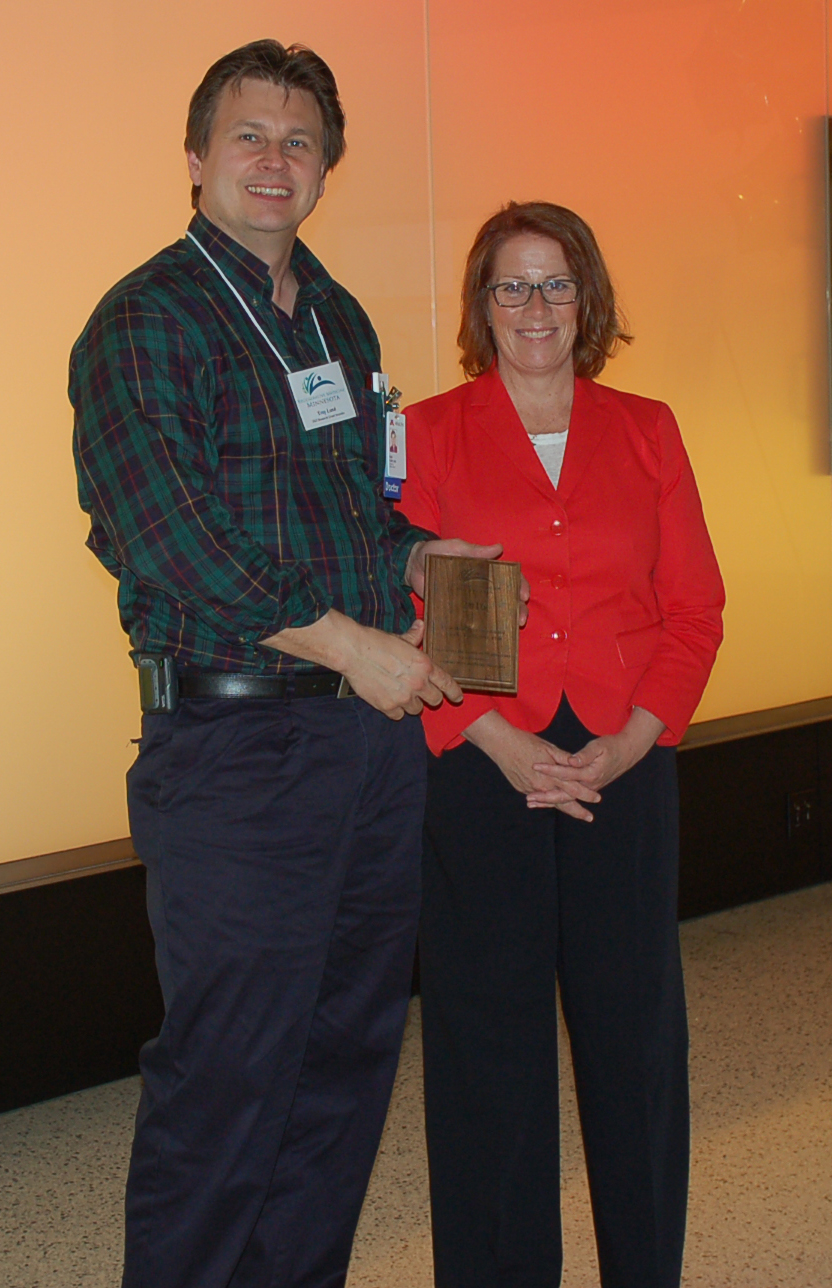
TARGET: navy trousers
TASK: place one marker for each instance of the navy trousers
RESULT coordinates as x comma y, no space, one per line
516,901
282,841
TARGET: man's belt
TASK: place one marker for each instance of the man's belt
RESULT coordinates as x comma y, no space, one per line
230,684
161,686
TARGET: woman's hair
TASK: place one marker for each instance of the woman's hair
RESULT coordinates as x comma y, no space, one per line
295,67
601,325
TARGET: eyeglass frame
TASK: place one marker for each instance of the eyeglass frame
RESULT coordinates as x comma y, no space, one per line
534,286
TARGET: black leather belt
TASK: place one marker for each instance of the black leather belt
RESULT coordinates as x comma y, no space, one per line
229,684
161,686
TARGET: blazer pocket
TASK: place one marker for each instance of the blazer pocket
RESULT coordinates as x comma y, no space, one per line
636,648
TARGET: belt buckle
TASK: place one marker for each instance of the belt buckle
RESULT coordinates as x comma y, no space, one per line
345,689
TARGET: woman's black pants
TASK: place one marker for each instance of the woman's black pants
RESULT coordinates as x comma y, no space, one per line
515,901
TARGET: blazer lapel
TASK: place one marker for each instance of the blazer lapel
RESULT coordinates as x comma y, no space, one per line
495,414
587,426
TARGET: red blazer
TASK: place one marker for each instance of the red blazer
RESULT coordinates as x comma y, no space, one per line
626,595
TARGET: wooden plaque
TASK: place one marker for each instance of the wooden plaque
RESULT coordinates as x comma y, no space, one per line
472,620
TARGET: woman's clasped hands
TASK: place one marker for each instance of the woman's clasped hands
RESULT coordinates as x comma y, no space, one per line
551,778
533,766
600,762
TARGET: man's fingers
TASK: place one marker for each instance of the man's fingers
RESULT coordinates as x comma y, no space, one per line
447,684
435,698
413,634
399,680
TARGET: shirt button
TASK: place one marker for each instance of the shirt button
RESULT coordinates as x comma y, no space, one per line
559,581
335,453
557,527
559,637
242,639
354,513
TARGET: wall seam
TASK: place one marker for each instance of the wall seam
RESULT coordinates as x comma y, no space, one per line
827,161
431,203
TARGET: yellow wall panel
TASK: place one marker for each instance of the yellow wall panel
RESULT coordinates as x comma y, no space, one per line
94,97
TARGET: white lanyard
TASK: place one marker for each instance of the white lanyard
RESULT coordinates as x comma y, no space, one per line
321,393
251,316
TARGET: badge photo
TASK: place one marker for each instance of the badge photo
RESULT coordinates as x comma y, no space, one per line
396,445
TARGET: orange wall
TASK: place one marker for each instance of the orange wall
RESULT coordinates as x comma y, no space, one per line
688,134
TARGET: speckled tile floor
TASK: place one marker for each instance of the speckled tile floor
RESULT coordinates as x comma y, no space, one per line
759,984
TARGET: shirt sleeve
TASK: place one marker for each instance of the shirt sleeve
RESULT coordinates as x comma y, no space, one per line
689,592
147,459
403,536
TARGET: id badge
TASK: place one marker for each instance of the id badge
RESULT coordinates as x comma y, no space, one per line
396,444
321,395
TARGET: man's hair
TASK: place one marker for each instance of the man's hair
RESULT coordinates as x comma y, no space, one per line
601,325
295,67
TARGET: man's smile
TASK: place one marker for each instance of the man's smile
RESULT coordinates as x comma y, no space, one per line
260,191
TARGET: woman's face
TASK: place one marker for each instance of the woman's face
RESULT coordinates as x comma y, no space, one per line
536,339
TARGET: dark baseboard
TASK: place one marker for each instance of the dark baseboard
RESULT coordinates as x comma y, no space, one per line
79,991
755,794
66,865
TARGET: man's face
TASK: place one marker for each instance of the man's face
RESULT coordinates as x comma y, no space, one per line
264,171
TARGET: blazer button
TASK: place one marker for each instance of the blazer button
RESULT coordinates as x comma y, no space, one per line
559,637
557,528
558,581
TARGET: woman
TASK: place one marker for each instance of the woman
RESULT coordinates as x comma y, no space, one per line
551,827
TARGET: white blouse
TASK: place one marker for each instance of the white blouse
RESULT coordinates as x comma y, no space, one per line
550,449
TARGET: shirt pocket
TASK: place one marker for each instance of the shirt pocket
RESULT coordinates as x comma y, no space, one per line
636,647
357,438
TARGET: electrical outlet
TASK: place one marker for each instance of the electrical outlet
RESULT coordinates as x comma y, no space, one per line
801,812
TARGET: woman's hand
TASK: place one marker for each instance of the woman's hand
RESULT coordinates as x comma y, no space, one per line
603,759
519,755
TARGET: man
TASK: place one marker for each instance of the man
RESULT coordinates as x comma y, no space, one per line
260,570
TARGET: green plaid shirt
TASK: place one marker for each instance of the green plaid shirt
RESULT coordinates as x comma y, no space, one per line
222,518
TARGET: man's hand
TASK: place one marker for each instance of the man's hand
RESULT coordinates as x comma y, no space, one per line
415,572
388,671
520,755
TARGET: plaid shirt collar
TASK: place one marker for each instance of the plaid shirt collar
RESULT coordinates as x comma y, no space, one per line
250,274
